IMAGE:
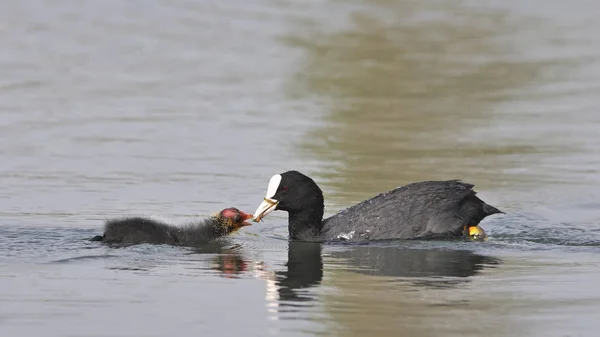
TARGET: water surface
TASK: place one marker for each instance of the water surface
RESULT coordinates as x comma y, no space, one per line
178,109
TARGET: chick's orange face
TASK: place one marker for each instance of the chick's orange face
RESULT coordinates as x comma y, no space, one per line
235,219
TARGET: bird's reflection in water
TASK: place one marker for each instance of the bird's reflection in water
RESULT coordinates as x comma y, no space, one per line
287,288
430,267
230,264
304,269
229,259
290,290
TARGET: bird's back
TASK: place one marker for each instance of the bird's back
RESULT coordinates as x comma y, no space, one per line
138,230
418,210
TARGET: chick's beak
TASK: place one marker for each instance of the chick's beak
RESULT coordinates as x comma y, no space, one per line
265,207
246,216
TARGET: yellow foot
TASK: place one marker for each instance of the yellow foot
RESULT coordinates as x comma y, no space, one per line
475,233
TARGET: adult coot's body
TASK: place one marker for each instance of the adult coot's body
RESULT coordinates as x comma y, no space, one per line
422,210
136,230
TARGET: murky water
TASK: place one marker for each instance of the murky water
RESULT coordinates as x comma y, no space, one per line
177,109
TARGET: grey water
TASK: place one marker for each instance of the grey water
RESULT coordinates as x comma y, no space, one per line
177,109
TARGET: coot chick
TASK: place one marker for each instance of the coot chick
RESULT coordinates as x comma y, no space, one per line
421,210
136,230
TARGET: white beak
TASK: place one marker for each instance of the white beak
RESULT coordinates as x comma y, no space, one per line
265,207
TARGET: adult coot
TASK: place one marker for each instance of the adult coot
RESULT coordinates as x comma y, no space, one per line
136,230
422,210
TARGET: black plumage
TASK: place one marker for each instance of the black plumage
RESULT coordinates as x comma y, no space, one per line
137,230
421,210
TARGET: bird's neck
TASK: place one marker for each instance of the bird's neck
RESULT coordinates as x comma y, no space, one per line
209,229
306,224
215,227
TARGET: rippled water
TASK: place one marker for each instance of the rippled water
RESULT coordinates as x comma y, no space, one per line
178,109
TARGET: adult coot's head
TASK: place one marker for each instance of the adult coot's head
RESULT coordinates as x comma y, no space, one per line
233,219
297,194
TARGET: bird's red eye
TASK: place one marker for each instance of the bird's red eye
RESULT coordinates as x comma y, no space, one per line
284,189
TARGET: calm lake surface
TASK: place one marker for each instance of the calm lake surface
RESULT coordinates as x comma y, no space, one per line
177,109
